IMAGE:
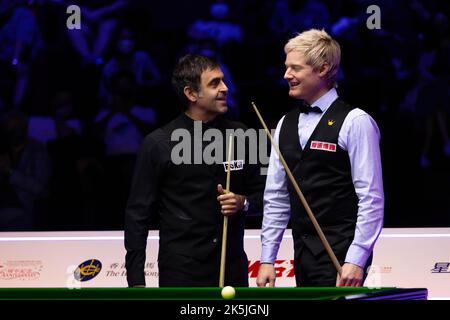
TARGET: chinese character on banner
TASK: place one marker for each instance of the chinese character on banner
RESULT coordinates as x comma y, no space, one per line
441,267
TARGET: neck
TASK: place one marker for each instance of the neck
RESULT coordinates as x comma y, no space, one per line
316,96
199,115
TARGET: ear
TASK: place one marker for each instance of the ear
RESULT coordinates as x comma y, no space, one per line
324,70
190,94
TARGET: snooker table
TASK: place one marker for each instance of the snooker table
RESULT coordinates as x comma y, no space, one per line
252,293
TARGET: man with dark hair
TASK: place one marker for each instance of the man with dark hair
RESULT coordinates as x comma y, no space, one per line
186,197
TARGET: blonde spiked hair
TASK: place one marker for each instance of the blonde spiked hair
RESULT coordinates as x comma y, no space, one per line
318,48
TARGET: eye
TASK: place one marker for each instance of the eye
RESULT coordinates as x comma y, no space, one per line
293,68
215,83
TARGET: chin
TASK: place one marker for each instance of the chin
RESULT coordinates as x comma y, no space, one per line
295,94
223,110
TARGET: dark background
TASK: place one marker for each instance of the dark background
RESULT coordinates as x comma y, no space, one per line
399,74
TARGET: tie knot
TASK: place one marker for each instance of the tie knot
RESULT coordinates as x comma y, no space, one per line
306,108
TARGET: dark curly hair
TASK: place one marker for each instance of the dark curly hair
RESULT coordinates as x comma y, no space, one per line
188,73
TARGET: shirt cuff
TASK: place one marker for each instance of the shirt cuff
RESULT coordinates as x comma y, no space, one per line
357,255
267,256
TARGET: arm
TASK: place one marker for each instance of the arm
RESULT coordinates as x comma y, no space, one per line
253,186
25,36
18,53
140,208
96,14
112,8
152,76
143,127
276,215
362,142
101,122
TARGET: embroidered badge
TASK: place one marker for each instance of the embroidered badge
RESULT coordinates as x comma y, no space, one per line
330,122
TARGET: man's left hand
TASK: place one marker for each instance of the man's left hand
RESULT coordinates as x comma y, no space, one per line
230,202
352,276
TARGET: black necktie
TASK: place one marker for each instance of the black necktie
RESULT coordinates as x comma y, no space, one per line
305,108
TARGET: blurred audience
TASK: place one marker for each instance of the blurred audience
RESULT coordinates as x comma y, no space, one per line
218,27
20,42
99,19
127,57
77,184
24,173
122,126
93,106
294,16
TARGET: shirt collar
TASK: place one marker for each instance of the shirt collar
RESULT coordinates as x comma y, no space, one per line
189,122
325,101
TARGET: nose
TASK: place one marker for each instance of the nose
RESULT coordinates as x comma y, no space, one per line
287,74
223,87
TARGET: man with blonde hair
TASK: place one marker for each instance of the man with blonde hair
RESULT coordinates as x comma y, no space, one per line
335,158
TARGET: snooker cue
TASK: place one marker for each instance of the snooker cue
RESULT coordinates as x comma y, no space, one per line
322,237
225,219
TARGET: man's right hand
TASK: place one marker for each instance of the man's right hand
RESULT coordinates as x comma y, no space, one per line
266,274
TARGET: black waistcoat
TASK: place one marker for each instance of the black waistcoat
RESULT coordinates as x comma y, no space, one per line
323,173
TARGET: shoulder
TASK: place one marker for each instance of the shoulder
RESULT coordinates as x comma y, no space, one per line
355,114
141,56
231,124
23,13
359,116
164,133
154,146
161,134
158,137
152,140
358,122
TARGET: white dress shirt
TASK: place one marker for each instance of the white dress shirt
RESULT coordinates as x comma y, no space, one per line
359,136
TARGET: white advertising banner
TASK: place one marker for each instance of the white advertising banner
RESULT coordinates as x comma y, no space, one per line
404,258
413,258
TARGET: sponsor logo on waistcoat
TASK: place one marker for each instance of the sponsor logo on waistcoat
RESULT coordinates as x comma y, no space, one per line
325,146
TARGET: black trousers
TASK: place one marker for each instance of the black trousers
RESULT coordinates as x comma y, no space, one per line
319,270
177,270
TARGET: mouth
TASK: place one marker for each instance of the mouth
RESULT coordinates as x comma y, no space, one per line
293,85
